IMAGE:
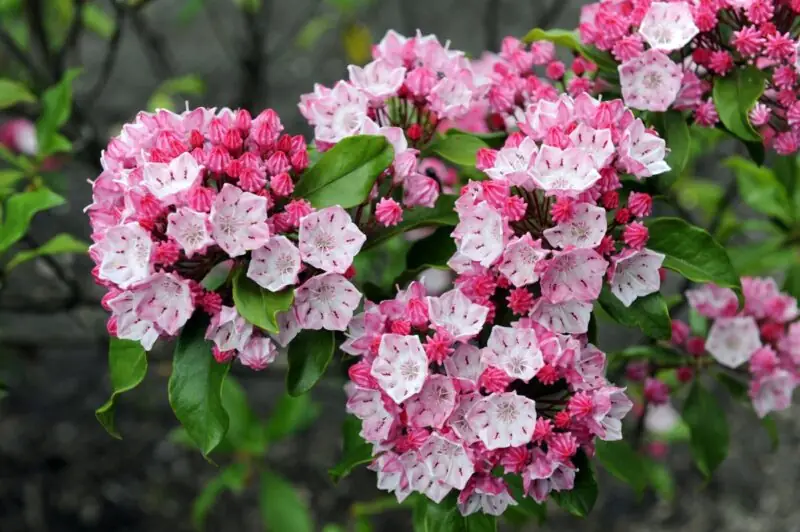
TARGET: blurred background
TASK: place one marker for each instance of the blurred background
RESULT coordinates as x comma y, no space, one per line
60,471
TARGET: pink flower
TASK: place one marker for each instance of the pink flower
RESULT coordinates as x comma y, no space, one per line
575,274
634,274
228,330
238,221
566,172
772,392
456,314
640,204
165,181
585,228
326,301
651,81
641,152
515,351
129,324
732,341
434,403
636,235
377,80
569,317
503,420
165,300
513,164
401,367
190,229
668,25
124,255
329,240
388,212
275,265
258,353
712,301
480,234
520,259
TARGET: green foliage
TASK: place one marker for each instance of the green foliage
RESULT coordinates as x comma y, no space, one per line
232,478
735,96
708,428
345,174
660,479
570,39
166,95
458,148
58,245
195,387
761,189
649,313
13,93
20,210
282,508
619,459
258,305
692,252
428,516
127,364
355,451
309,355
56,110
97,21
673,129
245,432
291,414
442,213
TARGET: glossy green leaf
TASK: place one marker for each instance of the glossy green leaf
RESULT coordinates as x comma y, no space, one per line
692,252
58,245
760,189
309,355
245,432
10,177
195,387
291,415
496,139
218,275
56,110
619,459
127,367
792,284
432,251
355,451
580,500
768,422
281,507
660,479
649,313
345,174
708,428
98,21
655,354
13,92
763,258
258,305
232,478
674,130
443,213
571,40
458,148
311,32
735,96
20,210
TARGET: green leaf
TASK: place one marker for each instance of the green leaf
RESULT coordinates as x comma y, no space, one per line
233,478
674,130
56,110
698,324
494,140
282,509
127,366
13,92
763,258
649,313
526,508
20,210
580,500
656,354
786,171
458,148
571,40
660,479
792,284
10,177
355,451
195,387
619,459
245,432
345,174
249,6
59,244
443,213
760,189
290,415
692,252
97,21
428,516
708,428
735,96
768,422
218,275
309,355
164,96
258,305
432,251
312,31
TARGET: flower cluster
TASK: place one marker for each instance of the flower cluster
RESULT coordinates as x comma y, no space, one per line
672,52
183,195
542,234
410,88
764,335
446,398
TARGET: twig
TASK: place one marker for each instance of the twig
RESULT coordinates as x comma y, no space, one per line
255,61
218,33
34,14
23,58
111,54
73,34
722,206
491,23
154,45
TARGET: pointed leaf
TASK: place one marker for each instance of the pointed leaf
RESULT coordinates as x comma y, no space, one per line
735,96
258,305
309,355
649,313
56,110
458,148
355,451
59,244
571,40
282,509
13,92
760,189
708,428
692,252
195,387
232,478
20,210
580,500
290,415
344,175
619,459
673,129
127,366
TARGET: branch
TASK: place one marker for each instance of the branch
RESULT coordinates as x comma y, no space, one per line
75,29
22,58
33,13
255,61
111,55
491,22
154,45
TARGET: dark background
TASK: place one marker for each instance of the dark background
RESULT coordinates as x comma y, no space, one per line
59,471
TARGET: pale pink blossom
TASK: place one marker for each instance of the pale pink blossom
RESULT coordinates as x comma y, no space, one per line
514,164
585,228
568,317
732,341
515,351
258,353
130,325
713,301
377,79
190,229
520,260
455,313
447,461
668,25
166,300
239,221
642,152
651,81
276,265
458,420
124,255
610,406
465,363
480,234
596,142
488,495
368,406
339,114
228,330
773,392
433,404
326,301
401,367
165,181
634,274
329,240
503,420
568,172
575,274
